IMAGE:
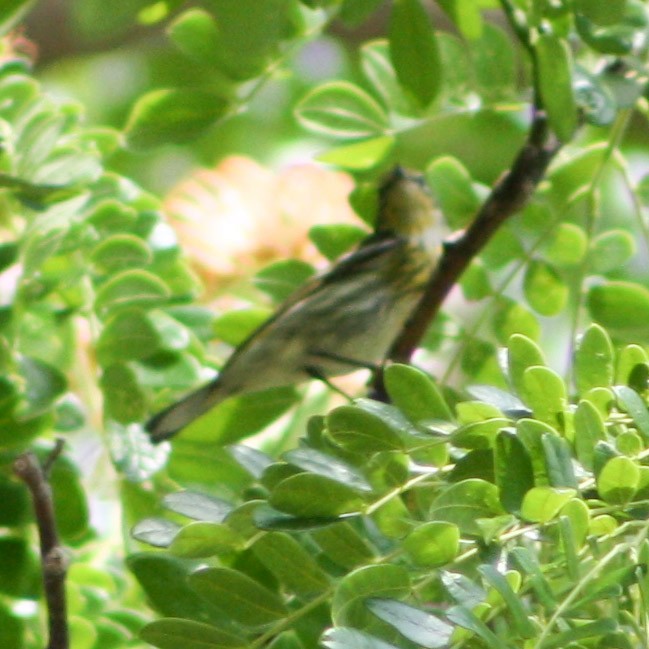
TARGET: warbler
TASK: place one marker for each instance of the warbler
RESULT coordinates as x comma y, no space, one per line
338,321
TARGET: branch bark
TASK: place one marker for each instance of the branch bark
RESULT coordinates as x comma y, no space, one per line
53,557
510,193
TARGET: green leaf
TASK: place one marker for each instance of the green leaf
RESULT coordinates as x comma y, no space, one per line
589,429
121,252
567,245
513,318
127,336
282,278
348,606
594,360
203,539
334,240
596,630
453,190
521,354
512,600
43,383
291,563
362,432
328,466
545,393
233,327
514,471
619,38
164,580
12,632
172,116
346,638
158,532
377,67
545,290
360,156
414,50
558,461
343,545
601,12
618,481
423,628
11,12
123,398
466,619
199,506
415,394
628,359
554,70
241,598
8,255
173,633
621,305
433,544
240,416
466,16
342,109
542,504
131,288
314,496
611,249
475,281
196,34
19,569
465,502
494,63
631,402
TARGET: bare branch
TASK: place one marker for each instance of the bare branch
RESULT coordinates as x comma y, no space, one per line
53,557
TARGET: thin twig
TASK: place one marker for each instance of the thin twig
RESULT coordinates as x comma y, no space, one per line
53,557
510,193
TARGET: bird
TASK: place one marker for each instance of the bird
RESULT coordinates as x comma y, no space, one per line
339,321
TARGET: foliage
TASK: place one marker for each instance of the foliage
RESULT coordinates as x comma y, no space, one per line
501,504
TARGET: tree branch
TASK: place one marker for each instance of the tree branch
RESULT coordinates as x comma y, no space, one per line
510,193
53,557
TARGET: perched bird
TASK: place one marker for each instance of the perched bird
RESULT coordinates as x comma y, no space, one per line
339,321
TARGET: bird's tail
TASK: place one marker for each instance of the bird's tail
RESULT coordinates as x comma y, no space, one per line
180,414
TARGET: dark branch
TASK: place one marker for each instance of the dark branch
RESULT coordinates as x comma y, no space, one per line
53,557
508,196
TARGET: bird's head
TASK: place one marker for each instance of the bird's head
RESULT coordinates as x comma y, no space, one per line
406,206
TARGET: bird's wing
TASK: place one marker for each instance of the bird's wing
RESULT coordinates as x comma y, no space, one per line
362,260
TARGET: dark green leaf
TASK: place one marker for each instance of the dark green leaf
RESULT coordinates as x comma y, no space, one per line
291,563
313,496
514,471
172,633
348,607
203,539
241,598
